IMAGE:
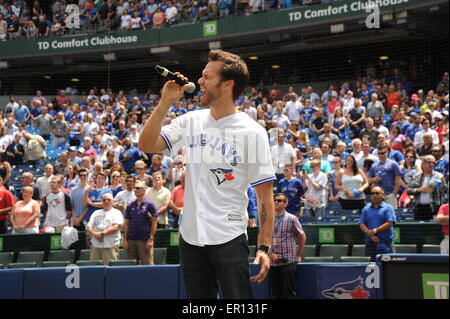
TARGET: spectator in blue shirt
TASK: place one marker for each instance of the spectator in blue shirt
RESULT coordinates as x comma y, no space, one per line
386,174
22,113
129,156
292,187
377,221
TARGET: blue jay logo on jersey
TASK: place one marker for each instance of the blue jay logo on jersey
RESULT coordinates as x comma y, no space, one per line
222,175
347,290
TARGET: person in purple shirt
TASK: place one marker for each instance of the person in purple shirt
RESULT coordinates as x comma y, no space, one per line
141,220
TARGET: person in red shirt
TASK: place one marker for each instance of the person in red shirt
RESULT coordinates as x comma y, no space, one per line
177,199
63,98
7,202
442,219
392,97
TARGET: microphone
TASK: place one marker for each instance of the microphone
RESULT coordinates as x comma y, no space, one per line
167,74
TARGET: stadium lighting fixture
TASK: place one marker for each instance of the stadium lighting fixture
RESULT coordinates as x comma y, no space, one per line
214,45
276,66
47,77
384,58
109,57
253,58
401,15
75,80
388,17
159,50
337,28
4,64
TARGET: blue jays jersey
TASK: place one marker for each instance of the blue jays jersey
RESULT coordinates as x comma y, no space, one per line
223,157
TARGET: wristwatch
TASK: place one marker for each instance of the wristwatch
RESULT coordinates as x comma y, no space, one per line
266,249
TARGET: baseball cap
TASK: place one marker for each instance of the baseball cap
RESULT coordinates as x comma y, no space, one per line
72,149
414,97
445,113
81,150
420,91
412,114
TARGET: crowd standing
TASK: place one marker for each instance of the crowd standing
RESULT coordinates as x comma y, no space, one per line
327,148
21,19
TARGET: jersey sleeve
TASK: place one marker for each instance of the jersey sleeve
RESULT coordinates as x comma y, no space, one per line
260,168
173,134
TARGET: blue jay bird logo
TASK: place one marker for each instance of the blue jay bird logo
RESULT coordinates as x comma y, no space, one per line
222,175
347,290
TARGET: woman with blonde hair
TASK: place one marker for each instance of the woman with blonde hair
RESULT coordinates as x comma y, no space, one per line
25,214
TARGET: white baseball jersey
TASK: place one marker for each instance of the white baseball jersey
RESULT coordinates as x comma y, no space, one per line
222,158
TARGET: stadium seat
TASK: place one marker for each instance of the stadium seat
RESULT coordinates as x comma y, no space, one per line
309,251
85,254
405,249
159,256
123,254
123,262
29,264
58,255
359,250
82,263
56,263
327,259
354,259
6,258
430,249
252,250
31,256
335,219
335,251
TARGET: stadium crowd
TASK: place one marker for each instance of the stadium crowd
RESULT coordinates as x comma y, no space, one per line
32,19
328,149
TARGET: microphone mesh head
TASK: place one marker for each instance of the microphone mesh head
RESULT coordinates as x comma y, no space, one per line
190,88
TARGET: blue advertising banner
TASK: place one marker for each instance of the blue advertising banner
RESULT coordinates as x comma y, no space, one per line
348,281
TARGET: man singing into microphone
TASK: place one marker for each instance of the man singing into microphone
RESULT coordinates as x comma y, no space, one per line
225,152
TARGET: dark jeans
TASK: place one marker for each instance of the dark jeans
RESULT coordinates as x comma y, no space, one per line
282,281
205,268
371,249
424,212
352,203
3,226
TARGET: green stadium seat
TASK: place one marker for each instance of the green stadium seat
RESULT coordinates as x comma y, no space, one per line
159,256
431,249
252,250
309,251
31,256
85,254
123,254
28,264
56,263
57,255
6,258
123,262
82,263
324,259
354,259
335,251
405,249
359,250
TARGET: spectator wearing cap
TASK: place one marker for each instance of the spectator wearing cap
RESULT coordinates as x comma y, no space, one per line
441,128
429,190
73,156
442,164
129,155
104,227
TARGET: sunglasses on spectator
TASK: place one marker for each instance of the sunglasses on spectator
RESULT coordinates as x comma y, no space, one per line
140,168
83,175
382,153
431,163
376,193
279,201
137,188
